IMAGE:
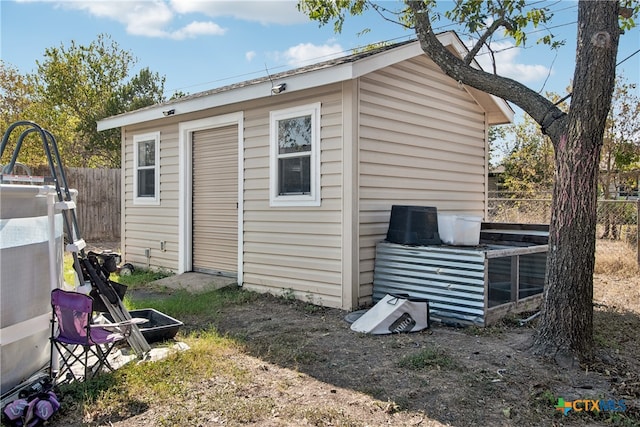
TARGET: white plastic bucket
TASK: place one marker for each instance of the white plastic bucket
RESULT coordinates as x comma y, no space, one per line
459,230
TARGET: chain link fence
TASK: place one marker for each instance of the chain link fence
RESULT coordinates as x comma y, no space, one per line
617,219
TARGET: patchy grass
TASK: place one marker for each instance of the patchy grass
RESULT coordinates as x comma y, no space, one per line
196,311
178,303
266,360
428,358
170,381
140,277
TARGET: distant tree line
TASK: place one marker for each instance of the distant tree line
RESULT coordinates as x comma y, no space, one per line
529,155
73,87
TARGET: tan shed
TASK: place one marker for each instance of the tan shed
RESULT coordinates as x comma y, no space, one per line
286,182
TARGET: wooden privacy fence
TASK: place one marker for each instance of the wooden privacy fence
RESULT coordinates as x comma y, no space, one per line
98,202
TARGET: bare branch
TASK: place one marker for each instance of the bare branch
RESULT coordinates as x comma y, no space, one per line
483,40
493,58
381,10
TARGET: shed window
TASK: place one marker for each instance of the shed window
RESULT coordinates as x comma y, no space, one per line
146,165
295,156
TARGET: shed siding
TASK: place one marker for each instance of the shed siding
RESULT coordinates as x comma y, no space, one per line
294,249
395,161
145,226
402,163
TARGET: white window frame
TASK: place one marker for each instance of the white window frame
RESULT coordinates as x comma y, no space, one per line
314,198
146,200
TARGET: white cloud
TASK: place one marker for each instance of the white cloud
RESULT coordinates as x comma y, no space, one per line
262,11
196,29
304,53
143,18
157,18
508,65
250,55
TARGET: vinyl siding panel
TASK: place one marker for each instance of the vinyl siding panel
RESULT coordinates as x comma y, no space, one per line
422,142
297,249
146,226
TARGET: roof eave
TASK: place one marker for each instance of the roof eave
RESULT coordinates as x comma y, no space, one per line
295,82
239,94
499,110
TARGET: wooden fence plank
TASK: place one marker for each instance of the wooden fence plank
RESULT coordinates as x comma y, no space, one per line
98,202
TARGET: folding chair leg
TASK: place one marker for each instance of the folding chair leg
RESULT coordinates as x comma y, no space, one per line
102,355
67,358
86,363
71,356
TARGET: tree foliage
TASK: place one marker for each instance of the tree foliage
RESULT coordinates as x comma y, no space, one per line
19,100
621,145
529,166
74,87
16,93
566,325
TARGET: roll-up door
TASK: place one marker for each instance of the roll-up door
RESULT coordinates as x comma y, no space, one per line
215,200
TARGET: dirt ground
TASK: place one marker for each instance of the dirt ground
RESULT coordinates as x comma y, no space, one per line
488,377
303,355
440,376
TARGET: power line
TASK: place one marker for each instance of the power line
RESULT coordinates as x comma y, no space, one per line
571,93
391,40
634,53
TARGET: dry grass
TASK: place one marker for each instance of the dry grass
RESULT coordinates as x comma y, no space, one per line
616,258
518,211
617,276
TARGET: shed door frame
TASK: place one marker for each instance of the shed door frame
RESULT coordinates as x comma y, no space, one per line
185,224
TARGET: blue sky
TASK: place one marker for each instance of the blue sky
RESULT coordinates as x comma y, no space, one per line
199,45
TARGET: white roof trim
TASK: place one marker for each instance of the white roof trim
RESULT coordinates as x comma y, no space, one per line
295,82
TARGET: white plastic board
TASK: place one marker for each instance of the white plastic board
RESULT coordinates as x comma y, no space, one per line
394,314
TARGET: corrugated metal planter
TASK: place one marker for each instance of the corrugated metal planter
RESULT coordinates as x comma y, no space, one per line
465,285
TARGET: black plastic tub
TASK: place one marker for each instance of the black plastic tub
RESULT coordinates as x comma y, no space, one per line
159,326
413,225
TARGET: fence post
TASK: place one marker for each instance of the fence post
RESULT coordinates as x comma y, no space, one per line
638,230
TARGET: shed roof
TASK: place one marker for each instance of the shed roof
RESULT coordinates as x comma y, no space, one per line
319,74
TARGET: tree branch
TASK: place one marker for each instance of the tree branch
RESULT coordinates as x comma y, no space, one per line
381,11
483,40
493,59
543,111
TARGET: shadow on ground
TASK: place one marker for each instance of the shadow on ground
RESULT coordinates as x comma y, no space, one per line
467,376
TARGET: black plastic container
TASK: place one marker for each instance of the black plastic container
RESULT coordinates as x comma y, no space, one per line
413,225
159,326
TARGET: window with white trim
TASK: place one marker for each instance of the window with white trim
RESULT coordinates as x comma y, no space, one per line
295,156
146,169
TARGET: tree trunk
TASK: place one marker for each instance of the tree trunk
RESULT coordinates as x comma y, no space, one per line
567,314
566,329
